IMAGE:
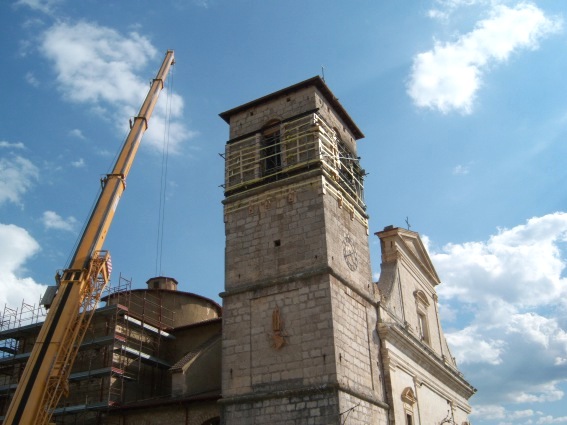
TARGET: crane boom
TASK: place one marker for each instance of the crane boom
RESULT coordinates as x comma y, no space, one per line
45,377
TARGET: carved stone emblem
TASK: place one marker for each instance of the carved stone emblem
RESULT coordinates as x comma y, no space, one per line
278,334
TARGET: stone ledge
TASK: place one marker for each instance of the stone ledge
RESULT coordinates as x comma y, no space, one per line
300,392
266,283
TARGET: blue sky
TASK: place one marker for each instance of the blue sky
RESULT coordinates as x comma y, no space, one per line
463,104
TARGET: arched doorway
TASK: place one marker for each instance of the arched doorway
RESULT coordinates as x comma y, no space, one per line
213,421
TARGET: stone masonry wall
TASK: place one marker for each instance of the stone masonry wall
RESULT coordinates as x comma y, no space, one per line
189,414
251,361
316,408
354,411
343,132
356,343
340,227
253,119
279,233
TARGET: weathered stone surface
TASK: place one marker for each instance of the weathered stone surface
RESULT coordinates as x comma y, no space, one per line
299,336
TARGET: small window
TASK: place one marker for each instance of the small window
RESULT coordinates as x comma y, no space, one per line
409,419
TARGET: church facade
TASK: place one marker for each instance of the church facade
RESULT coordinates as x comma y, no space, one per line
424,385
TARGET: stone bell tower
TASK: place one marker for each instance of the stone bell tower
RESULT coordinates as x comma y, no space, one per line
299,321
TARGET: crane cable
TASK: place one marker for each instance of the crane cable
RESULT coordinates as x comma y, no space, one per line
95,200
163,181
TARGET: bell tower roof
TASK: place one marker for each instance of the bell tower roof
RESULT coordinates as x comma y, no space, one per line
316,81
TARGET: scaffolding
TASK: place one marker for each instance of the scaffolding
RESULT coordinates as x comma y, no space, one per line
282,150
141,323
18,328
121,359
25,315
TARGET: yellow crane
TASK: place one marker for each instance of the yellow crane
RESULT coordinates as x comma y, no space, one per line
46,375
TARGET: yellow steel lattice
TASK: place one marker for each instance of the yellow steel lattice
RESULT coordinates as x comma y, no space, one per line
92,282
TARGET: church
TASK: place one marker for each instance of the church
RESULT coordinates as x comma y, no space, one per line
308,337
304,334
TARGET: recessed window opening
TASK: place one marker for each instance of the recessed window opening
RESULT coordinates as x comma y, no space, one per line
422,303
277,243
423,329
271,145
409,400
350,174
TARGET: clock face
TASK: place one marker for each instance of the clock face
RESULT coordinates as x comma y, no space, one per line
349,253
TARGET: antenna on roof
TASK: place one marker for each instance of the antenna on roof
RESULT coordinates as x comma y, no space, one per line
408,223
323,72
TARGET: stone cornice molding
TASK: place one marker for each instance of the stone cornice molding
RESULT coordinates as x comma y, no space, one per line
303,391
268,283
281,186
398,336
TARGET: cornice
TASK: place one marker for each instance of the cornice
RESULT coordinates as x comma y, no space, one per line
302,391
398,336
325,270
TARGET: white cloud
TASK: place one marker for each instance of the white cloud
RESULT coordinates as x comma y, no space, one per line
538,330
509,265
77,133
538,394
45,6
511,291
17,176
469,346
444,8
8,145
448,313
80,163
97,66
448,77
489,411
16,247
461,170
551,420
202,3
520,414
32,81
52,220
